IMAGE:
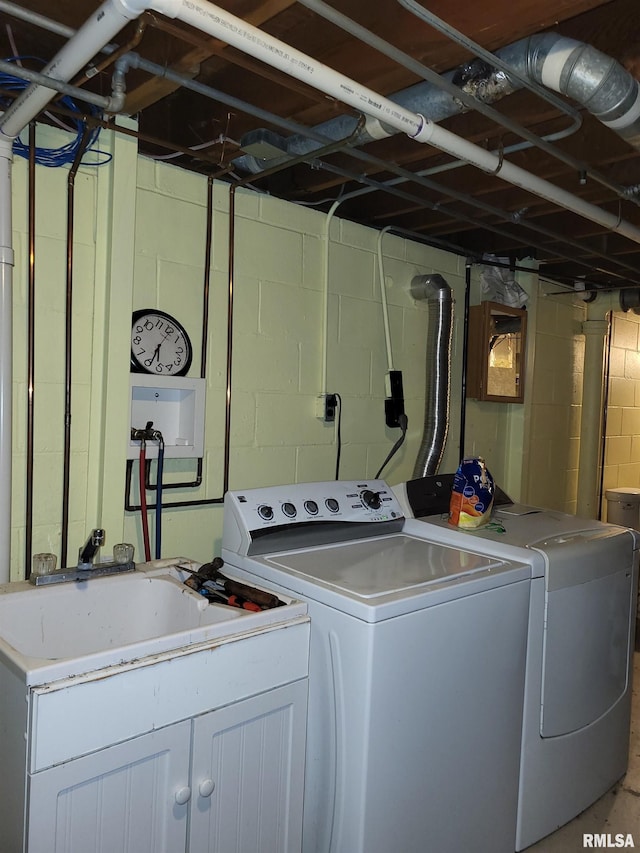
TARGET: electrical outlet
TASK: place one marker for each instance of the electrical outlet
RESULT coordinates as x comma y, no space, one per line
394,404
326,407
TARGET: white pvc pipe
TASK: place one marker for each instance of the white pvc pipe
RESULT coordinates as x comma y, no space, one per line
325,295
489,162
234,31
97,31
6,355
591,420
594,329
237,33
383,299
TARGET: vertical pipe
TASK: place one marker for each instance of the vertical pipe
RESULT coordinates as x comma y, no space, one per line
465,345
227,424
205,302
325,294
68,338
587,503
144,516
383,297
6,354
605,409
31,301
158,549
207,279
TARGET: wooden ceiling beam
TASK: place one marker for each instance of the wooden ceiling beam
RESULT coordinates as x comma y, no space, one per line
189,63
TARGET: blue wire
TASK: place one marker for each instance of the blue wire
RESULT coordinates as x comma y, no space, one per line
65,154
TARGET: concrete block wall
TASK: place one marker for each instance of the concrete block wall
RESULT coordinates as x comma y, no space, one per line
278,335
554,374
140,242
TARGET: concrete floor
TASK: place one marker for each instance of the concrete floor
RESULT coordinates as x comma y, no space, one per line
618,811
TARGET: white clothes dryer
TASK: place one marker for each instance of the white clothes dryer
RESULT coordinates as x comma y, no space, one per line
416,670
580,645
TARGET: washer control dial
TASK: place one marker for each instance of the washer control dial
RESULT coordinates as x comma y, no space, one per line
371,499
265,512
311,507
289,509
332,505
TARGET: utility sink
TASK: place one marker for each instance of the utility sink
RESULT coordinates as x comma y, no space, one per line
61,630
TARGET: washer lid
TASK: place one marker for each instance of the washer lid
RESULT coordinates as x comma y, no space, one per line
386,576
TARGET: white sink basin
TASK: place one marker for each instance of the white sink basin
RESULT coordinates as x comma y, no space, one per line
61,630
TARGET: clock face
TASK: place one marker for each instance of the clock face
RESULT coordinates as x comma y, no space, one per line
159,344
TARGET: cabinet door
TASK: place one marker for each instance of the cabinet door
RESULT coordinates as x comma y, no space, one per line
248,775
126,798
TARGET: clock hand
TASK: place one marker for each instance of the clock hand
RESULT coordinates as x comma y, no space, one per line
156,354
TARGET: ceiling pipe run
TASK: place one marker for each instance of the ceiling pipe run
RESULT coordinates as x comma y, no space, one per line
533,62
585,75
237,33
572,68
472,86
133,60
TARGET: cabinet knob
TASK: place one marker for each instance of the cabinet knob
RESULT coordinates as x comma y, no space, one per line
206,787
183,795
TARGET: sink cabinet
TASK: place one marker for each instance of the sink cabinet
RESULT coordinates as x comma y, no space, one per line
200,750
120,798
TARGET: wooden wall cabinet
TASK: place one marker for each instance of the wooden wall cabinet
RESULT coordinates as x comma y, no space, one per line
496,353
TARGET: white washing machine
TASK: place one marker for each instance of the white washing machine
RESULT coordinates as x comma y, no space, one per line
416,673
580,645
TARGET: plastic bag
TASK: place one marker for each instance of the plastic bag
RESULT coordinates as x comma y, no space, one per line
472,494
499,285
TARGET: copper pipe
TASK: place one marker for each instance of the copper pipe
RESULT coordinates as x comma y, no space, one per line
128,505
93,121
143,22
64,534
230,293
28,534
207,278
333,146
203,366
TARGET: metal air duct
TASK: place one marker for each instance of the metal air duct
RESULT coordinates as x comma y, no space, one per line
437,292
591,78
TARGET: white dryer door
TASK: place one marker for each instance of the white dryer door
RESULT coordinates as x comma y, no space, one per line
587,634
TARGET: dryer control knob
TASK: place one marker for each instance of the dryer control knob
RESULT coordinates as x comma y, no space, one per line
371,499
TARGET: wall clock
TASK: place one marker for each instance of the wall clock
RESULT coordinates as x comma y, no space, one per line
159,344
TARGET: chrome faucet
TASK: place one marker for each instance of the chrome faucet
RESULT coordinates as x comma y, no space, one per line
87,568
87,553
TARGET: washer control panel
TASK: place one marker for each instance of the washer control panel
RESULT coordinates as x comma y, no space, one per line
337,500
